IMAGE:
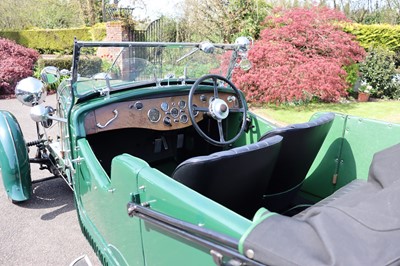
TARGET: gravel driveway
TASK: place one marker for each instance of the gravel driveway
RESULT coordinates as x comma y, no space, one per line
43,230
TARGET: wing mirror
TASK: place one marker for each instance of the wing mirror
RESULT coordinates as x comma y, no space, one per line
244,44
30,91
50,75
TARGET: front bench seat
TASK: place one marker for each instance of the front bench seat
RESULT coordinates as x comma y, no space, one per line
300,145
235,178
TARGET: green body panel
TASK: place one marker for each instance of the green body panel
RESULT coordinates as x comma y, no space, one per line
167,196
103,202
347,152
325,166
122,240
365,137
14,160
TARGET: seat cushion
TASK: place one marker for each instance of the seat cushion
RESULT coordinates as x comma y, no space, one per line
300,145
235,178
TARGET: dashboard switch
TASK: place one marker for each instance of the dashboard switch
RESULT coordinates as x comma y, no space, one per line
167,121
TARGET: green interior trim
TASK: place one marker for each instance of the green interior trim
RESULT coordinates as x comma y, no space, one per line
346,153
260,213
260,216
327,162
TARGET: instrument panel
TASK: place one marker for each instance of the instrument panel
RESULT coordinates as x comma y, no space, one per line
166,113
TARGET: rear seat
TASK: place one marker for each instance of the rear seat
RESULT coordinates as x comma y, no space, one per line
352,186
357,225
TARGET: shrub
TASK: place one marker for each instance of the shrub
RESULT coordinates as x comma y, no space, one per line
377,35
16,63
55,40
378,70
87,65
62,62
352,76
300,56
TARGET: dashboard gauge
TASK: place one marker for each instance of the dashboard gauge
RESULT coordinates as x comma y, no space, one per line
138,105
203,98
182,104
195,113
174,112
164,106
183,118
154,115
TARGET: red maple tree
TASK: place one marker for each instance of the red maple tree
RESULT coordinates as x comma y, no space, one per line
300,55
16,63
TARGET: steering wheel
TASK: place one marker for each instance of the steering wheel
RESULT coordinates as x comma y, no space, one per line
218,109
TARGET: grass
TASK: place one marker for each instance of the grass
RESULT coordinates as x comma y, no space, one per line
282,115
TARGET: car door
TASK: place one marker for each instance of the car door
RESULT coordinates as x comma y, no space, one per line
101,203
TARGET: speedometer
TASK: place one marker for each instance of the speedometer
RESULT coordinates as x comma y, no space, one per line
154,115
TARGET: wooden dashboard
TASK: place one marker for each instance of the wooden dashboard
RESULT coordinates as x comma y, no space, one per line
167,113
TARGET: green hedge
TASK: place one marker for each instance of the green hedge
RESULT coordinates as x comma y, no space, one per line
378,35
87,66
48,41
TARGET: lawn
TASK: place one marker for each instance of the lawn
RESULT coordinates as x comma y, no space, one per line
382,110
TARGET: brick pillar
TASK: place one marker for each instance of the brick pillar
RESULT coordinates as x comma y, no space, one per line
116,31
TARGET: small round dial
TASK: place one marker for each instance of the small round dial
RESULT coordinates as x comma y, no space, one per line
195,112
154,115
174,112
183,119
182,104
164,106
138,105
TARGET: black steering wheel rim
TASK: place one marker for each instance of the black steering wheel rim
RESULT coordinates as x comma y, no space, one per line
217,116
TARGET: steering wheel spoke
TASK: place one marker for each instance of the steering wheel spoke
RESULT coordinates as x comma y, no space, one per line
218,109
201,109
221,131
215,85
236,110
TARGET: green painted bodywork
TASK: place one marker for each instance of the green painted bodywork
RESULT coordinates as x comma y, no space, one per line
101,201
101,196
14,161
121,240
347,152
118,239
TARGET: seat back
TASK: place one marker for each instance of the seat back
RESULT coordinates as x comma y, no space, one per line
300,145
235,178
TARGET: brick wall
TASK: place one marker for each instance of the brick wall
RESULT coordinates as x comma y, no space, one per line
116,31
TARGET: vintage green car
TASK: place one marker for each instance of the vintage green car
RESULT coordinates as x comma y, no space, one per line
169,167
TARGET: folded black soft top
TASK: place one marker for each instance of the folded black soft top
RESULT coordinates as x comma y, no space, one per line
357,225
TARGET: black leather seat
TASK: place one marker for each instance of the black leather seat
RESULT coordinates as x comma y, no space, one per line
300,145
235,178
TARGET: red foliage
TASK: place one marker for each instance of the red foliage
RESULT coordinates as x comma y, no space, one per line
300,55
16,63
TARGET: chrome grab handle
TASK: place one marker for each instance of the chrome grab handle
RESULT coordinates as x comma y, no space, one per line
109,121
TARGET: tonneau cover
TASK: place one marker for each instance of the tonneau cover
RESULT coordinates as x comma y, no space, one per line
361,227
